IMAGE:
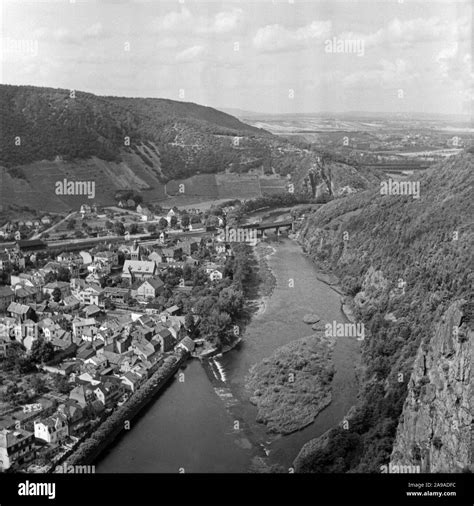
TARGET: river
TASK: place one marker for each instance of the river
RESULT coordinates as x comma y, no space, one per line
204,422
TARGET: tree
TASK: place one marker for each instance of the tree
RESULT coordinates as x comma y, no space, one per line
187,272
24,365
56,294
173,221
64,274
216,326
231,301
133,229
163,223
119,228
189,323
185,220
41,351
50,277
38,384
62,384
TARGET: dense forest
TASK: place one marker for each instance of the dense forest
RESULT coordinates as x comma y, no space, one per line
399,257
45,123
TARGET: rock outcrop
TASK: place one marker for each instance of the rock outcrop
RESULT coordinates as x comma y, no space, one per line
435,428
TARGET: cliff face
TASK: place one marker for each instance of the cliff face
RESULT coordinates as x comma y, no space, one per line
406,265
434,431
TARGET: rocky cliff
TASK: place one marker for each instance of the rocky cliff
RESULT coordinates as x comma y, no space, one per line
435,428
406,266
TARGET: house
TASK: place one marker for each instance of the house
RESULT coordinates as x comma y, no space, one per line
46,220
63,342
170,215
71,302
123,343
147,289
62,286
26,294
106,257
53,429
92,293
83,395
85,210
74,414
92,310
196,227
6,297
145,214
186,344
172,310
156,257
144,349
138,269
116,294
4,261
166,340
171,254
188,246
215,274
16,448
21,312
81,325
108,393
50,329
131,381
98,361
86,257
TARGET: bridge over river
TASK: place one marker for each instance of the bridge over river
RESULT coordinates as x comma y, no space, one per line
271,225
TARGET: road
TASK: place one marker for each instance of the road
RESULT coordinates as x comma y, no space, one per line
50,229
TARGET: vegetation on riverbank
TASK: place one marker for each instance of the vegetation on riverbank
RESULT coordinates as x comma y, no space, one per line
294,384
401,258
115,423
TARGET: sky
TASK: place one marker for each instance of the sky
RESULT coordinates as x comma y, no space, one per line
270,56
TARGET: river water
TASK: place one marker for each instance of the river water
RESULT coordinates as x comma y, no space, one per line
204,422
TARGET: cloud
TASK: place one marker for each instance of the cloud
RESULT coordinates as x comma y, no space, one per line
411,32
386,73
184,21
190,54
277,38
94,31
67,36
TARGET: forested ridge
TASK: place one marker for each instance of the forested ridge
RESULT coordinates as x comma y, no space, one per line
404,261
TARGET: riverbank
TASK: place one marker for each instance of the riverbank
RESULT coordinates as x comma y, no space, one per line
293,385
267,281
193,423
102,437
330,279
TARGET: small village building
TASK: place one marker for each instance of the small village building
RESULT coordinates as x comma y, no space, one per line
138,269
53,429
16,448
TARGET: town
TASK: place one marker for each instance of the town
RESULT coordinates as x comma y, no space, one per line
84,330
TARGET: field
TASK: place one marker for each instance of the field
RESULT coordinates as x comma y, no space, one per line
36,189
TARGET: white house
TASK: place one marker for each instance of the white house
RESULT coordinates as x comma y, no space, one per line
53,429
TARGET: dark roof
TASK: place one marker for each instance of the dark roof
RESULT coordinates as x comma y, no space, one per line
31,243
154,282
5,291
